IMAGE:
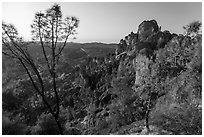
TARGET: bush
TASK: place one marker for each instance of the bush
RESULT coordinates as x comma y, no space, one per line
179,119
13,127
46,125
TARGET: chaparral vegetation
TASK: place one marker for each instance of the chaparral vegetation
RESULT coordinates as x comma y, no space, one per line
148,83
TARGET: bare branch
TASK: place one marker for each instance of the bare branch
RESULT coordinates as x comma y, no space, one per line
41,93
63,46
42,45
56,29
8,54
27,71
25,56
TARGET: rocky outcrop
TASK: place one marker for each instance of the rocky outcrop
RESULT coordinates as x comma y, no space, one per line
147,28
139,47
149,37
165,69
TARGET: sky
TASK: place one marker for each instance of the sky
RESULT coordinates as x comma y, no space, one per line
106,22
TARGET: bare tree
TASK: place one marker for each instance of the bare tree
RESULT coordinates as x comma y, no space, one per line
52,32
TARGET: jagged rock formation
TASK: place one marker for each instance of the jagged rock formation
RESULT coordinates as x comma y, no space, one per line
140,47
172,57
147,28
154,70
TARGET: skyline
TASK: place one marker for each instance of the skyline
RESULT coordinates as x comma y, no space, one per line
106,22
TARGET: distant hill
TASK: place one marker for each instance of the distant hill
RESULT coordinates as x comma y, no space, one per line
74,53
79,50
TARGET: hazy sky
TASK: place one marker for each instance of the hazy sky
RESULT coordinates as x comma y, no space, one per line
106,22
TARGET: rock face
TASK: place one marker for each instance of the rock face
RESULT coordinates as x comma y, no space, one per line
149,37
147,28
141,65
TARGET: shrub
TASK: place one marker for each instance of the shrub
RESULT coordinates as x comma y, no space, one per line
179,119
45,126
14,126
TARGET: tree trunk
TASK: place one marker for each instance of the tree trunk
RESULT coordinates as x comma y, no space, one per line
59,126
147,113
